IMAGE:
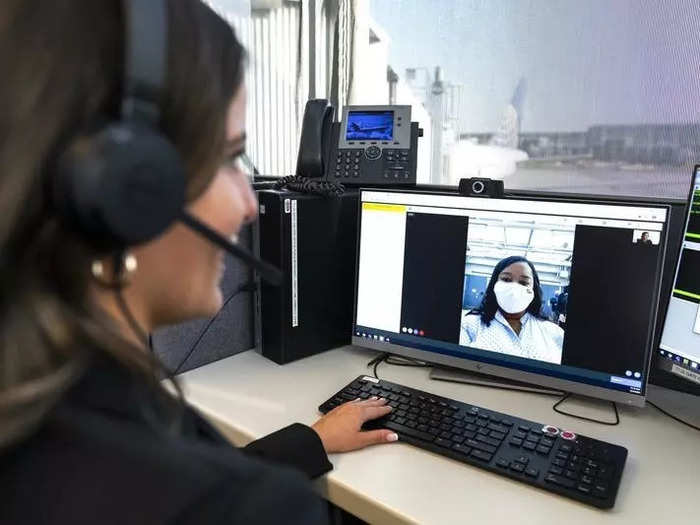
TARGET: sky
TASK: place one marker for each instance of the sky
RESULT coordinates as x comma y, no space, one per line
586,62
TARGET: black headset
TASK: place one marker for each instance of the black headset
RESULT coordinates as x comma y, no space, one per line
124,183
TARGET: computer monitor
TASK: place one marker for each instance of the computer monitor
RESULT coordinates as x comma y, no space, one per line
679,349
438,273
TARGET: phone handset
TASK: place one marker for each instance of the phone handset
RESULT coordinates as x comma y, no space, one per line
312,160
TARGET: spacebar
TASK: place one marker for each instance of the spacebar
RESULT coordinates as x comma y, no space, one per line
411,432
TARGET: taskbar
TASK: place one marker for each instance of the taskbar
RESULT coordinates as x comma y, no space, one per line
631,382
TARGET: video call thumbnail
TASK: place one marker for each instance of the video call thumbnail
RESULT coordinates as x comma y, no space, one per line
516,288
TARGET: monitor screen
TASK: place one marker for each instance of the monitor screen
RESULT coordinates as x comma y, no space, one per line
679,350
370,125
545,290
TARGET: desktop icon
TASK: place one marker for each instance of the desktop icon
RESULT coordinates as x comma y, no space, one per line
381,338
637,375
421,332
410,330
628,373
694,364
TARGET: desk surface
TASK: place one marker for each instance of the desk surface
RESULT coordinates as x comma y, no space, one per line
249,396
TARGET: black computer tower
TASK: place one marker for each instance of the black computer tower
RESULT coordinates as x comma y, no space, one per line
312,239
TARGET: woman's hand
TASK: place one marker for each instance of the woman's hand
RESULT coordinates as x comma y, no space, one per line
341,429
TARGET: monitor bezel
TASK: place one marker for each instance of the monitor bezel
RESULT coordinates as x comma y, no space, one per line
474,365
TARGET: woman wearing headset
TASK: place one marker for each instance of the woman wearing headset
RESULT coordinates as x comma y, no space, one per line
87,433
508,320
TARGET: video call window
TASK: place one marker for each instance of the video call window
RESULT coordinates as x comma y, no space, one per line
517,265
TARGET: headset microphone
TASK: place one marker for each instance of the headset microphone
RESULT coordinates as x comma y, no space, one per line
268,272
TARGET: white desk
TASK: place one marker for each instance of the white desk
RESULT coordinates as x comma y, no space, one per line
249,396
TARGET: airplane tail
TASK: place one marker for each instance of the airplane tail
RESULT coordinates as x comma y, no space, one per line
508,132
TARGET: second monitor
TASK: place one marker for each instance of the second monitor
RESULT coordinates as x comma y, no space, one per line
561,294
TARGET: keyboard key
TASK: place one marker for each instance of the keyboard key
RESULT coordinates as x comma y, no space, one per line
457,439
559,463
600,490
519,435
536,432
497,435
532,472
604,472
566,447
483,456
529,445
445,435
562,455
444,442
502,462
469,434
497,428
523,459
556,470
587,480
515,442
559,480
478,445
571,474
471,427
523,428
411,432
506,423
483,431
462,448
488,440
542,450
517,467
586,489
547,442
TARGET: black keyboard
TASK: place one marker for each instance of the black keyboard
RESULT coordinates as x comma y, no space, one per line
559,461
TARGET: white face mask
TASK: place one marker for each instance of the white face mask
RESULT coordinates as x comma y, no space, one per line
512,297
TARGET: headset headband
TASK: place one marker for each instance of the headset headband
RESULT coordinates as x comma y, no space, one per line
145,59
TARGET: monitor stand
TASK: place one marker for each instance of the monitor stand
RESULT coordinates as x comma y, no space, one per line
456,375
683,406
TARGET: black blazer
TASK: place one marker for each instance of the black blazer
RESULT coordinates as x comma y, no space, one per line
107,454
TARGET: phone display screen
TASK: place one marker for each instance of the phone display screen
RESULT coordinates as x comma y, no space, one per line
370,125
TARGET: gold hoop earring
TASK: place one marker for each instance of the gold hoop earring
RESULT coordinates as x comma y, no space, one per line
128,265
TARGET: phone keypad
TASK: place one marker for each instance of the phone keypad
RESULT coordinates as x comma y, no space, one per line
394,164
347,163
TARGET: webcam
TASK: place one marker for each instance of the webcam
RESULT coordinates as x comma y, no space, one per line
481,187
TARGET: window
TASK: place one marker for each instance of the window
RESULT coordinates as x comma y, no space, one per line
576,96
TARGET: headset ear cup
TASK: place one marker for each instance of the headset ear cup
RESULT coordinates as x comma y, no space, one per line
122,186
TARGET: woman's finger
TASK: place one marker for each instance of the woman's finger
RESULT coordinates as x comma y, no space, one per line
375,412
374,402
374,437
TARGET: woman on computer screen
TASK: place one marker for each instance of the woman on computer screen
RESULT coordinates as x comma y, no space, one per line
88,434
509,318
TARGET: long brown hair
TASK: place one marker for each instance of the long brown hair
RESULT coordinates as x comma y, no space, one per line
62,72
